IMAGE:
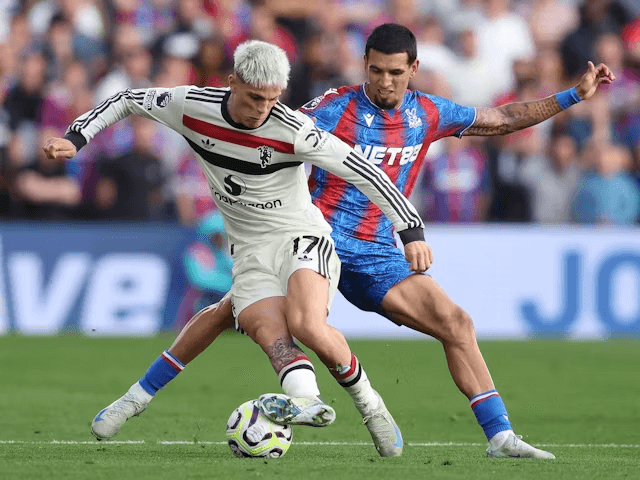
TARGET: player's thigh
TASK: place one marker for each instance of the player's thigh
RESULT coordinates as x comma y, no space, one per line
255,275
369,271
307,299
311,272
264,321
418,302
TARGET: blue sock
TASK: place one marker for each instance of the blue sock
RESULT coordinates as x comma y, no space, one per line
162,371
491,413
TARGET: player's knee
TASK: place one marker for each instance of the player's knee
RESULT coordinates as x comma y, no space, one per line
302,332
301,318
311,333
458,326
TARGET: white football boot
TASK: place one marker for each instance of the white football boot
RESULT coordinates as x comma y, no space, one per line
109,420
382,427
286,410
507,444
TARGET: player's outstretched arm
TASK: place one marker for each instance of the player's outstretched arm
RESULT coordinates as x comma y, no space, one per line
516,116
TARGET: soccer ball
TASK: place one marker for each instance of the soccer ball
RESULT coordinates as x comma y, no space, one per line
251,434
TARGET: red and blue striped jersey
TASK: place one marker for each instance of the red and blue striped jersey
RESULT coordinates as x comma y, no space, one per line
395,140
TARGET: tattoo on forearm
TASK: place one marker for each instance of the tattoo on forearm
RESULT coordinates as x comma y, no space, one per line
513,116
282,352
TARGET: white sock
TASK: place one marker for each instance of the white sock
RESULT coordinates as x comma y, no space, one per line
298,379
356,383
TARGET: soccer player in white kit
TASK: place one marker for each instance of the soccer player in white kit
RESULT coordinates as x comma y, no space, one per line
285,274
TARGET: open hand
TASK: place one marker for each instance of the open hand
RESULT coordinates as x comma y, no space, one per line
593,77
56,148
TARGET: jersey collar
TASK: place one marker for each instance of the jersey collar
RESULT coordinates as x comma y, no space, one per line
363,89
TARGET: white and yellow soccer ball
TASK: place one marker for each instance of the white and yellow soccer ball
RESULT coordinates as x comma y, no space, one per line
251,434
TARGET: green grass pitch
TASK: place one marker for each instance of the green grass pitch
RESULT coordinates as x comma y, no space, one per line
579,400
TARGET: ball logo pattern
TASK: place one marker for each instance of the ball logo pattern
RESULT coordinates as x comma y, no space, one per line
251,434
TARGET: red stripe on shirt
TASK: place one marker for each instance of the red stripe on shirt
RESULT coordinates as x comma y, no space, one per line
233,136
334,187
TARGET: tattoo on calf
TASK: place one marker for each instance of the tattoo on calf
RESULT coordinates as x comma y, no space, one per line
283,351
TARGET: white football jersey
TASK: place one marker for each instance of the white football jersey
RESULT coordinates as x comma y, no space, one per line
256,176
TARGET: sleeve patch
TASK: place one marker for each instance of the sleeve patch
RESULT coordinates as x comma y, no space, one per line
316,138
313,103
164,99
148,99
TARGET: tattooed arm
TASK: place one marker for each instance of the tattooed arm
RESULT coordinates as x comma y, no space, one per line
516,116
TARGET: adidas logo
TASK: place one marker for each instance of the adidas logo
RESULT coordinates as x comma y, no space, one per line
206,143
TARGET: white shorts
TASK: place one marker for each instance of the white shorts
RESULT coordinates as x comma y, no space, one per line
263,270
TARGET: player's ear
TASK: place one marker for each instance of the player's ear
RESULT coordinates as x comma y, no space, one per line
232,82
414,68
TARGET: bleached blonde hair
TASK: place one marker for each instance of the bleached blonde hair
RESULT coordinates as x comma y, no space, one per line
261,64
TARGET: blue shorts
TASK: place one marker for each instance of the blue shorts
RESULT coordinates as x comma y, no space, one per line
369,270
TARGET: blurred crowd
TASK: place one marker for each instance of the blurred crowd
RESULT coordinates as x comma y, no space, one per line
60,58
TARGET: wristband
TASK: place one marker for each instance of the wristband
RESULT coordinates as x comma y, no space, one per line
411,235
77,139
567,98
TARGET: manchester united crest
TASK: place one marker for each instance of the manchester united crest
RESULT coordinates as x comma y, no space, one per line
265,155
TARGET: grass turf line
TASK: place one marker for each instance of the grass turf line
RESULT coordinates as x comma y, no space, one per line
556,392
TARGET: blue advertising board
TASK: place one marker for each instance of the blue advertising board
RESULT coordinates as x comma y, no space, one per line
113,279
514,281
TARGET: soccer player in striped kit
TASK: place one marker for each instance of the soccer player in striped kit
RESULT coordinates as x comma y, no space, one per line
392,127
285,270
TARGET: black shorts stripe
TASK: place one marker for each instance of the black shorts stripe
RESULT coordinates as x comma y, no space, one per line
326,255
321,263
237,165
302,366
354,381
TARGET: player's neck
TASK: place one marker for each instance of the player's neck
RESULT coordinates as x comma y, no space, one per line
232,109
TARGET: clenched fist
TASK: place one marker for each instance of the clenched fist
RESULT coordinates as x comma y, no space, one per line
419,255
56,148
